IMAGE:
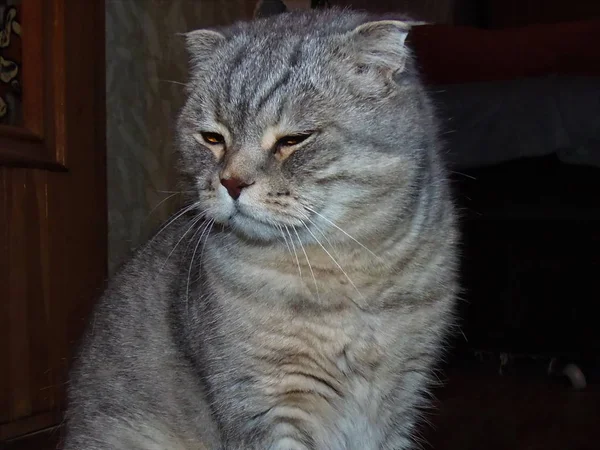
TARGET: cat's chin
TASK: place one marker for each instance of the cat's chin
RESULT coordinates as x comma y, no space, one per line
252,229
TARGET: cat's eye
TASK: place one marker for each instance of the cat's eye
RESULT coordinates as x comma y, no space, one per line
291,140
213,138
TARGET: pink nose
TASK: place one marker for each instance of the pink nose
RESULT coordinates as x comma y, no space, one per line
234,186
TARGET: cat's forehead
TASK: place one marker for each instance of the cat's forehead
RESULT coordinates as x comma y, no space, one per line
262,83
299,23
260,48
262,73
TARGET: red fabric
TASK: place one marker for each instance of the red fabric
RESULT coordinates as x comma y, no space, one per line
448,54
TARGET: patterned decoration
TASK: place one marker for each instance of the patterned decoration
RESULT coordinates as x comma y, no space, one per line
11,112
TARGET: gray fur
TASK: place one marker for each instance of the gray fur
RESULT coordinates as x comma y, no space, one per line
233,328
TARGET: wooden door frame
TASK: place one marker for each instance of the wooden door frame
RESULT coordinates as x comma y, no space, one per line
39,141
53,191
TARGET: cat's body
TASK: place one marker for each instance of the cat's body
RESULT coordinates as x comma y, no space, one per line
307,310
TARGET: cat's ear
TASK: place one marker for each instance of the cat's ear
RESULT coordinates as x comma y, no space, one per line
202,44
380,44
266,8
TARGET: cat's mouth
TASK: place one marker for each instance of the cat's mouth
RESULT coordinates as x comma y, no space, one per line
244,216
249,222
248,217
251,226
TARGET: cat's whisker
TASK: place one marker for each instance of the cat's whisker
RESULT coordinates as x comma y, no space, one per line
334,260
198,230
294,248
276,225
308,262
160,203
212,223
160,191
179,83
176,216
195,220
285,239
187,293
333,249
340,229
466,175
205,228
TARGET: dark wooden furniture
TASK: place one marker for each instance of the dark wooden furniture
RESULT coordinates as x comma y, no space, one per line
52,206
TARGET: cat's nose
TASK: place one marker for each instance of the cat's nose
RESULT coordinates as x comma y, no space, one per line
234,186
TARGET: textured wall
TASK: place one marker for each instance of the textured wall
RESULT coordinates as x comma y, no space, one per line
145,59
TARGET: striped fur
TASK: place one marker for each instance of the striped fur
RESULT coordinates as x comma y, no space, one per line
309,313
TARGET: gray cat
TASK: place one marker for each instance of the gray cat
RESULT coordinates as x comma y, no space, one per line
302,298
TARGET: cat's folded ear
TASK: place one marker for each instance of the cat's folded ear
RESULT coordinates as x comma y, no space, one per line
202,44
379,44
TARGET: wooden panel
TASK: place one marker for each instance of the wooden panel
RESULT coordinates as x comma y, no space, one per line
26,322
5,402
53,223
35,38
20,147
39,141
85,152
15,322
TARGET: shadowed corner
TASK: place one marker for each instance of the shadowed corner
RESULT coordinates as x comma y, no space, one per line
266,8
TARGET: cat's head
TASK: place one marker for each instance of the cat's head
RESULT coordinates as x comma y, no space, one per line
301,121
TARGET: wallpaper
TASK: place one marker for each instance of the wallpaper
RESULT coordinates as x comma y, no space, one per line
145,64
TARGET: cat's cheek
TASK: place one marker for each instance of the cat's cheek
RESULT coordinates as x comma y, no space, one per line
223,207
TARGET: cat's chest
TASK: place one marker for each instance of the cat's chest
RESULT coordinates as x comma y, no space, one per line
326,366
346,341
337,365
336,358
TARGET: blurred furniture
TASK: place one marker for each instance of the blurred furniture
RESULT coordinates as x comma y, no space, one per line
521,114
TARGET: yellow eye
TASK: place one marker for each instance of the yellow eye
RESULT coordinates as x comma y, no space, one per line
213,138
290,141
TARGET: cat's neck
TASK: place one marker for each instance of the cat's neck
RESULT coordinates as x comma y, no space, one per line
347,261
